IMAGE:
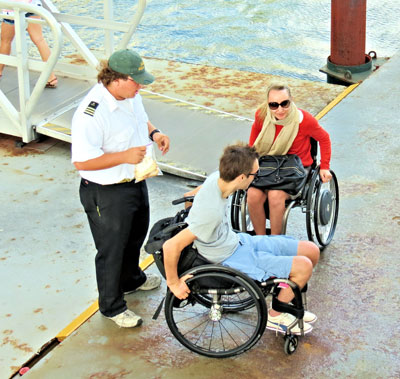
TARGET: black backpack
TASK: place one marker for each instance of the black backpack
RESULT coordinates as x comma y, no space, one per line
162,231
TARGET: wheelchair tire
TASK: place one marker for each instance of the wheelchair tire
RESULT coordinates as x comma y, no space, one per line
291,343
235,210
238,205
215,330
322,209
240,218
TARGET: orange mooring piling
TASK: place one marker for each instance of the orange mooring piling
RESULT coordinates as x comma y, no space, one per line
348,62
348,23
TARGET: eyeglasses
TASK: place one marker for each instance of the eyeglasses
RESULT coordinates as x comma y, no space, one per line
255,174
274,105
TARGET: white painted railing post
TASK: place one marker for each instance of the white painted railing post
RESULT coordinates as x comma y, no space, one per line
21,51
134,24
108,33
73,37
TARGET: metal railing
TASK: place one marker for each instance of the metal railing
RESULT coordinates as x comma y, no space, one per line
27,99
107,23
60,26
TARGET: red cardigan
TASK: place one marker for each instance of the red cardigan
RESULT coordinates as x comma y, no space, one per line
301,146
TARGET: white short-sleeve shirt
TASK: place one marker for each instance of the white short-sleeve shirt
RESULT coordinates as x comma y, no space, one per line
103,124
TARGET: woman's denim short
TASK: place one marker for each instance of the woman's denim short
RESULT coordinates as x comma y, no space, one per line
11,22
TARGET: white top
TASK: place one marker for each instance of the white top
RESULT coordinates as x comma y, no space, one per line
103,124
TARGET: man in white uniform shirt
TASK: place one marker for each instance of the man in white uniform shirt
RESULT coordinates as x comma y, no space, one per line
110,131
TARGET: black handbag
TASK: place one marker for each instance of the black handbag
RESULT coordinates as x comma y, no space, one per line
281,172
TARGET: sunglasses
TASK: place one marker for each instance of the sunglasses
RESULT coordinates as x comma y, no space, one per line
255,174
284,104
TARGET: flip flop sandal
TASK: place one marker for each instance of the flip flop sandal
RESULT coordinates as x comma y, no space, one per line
52,83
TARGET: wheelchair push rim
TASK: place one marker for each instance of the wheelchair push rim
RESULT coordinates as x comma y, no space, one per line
322,209
240,218
214,330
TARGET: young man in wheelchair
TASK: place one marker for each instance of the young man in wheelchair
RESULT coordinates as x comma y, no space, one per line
260,257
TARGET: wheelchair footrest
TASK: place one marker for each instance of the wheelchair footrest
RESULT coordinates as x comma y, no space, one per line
279,306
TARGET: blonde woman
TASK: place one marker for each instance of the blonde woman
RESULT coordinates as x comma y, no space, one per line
35,33
281,128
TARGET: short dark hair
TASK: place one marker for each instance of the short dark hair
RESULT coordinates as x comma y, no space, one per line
107,75
236,160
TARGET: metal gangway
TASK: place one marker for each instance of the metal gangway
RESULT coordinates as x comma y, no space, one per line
27,109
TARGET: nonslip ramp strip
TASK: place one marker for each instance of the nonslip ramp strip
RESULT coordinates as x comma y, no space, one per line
57,128
89,312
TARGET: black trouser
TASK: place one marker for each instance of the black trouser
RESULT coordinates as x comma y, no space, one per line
118,216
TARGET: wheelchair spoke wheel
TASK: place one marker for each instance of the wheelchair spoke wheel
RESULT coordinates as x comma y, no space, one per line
322,209
218,329
240,218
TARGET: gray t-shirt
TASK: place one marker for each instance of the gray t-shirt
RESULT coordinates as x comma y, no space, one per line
209,222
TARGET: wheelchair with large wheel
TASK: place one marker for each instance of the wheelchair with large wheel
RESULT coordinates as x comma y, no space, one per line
318,200
226,311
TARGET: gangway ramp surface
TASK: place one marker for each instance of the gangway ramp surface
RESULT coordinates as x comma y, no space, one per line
53,102
198,134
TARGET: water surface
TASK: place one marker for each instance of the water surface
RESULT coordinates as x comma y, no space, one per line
281,37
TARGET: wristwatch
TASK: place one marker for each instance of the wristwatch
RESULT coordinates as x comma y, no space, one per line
154,132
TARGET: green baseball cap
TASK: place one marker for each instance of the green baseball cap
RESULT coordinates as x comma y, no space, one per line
130,63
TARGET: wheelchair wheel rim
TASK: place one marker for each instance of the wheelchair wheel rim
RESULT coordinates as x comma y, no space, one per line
322,209
230,333
325,232
240,218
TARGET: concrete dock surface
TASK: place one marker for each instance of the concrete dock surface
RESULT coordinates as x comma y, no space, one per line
46,249
48,279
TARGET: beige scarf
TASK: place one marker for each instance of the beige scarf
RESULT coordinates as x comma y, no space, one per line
265,144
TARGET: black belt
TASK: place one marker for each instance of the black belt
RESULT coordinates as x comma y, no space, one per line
123,181
126,180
